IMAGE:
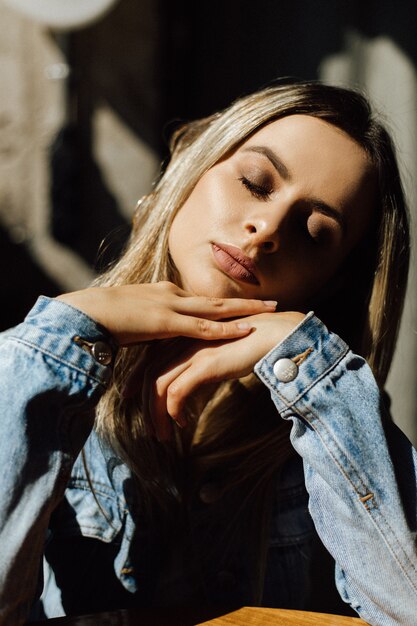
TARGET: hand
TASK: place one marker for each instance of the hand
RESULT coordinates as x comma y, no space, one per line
202,363
134,313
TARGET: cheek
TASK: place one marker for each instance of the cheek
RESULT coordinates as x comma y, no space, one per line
184,221
304,282
178,235
187,229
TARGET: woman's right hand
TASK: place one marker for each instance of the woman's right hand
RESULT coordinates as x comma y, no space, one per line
135,313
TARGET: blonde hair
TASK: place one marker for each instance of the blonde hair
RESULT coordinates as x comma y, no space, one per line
251,449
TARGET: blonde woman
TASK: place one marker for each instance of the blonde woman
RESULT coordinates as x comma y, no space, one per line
142,455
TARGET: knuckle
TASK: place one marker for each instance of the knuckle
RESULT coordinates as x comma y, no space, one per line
159,386
226,329
174,393
215,302
203,326
206,372
166,285
159,318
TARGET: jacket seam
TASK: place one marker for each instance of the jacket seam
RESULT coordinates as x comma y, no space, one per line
290,403
92,531
376,508
82,484
58,359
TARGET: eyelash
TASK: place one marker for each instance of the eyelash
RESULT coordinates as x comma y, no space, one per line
263,193
258,191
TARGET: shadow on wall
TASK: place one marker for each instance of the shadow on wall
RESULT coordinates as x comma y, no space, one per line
85,215
22,281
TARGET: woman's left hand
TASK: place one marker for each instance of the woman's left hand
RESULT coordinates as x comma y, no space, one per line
202,364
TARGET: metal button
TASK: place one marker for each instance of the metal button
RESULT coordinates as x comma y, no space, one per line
209,493
285,370
102,352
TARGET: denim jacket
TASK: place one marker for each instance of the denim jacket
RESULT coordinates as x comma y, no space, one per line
354,478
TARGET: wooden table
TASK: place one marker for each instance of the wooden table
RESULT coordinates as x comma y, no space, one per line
256,616
246,616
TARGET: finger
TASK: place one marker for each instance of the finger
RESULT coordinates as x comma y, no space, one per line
212,364
201,328
161,424
160,352
222,308
160,389
167,364
193,377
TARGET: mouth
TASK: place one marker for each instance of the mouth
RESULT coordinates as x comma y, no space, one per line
233,262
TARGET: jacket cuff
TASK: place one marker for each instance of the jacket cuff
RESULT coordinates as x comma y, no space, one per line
315,349
51,327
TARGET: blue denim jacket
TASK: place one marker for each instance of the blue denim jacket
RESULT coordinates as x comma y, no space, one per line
356,482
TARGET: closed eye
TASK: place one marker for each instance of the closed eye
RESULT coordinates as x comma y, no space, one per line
320,230
261,192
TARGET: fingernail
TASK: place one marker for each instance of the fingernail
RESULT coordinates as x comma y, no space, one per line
243,326
270,303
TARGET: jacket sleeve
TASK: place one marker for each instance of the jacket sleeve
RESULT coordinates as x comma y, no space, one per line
49,386
360,470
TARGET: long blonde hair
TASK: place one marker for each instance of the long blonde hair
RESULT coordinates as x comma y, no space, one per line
250,448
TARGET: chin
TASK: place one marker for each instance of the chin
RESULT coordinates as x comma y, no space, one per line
216,287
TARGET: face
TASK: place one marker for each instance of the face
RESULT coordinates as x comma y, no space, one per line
276,218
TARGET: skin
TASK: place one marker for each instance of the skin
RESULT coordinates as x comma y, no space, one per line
277,219
295,198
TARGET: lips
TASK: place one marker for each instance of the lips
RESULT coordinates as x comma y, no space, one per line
234,263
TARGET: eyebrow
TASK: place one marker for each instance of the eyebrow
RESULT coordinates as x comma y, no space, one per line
272,157
282,169
324,208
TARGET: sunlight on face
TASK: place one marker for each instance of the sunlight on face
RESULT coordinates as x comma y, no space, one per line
276,218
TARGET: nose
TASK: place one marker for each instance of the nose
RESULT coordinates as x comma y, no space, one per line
265,231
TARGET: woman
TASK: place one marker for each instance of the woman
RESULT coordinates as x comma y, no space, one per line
187,491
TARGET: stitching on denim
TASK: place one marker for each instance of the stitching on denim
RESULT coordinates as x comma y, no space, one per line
394,554
300,358
365,499
58,359
308,412
369,510
82,484
100,532
289,404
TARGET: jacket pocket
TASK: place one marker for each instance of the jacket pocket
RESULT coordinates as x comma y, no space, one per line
93,512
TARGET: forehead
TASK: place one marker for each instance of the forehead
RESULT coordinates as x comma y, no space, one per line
316,142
